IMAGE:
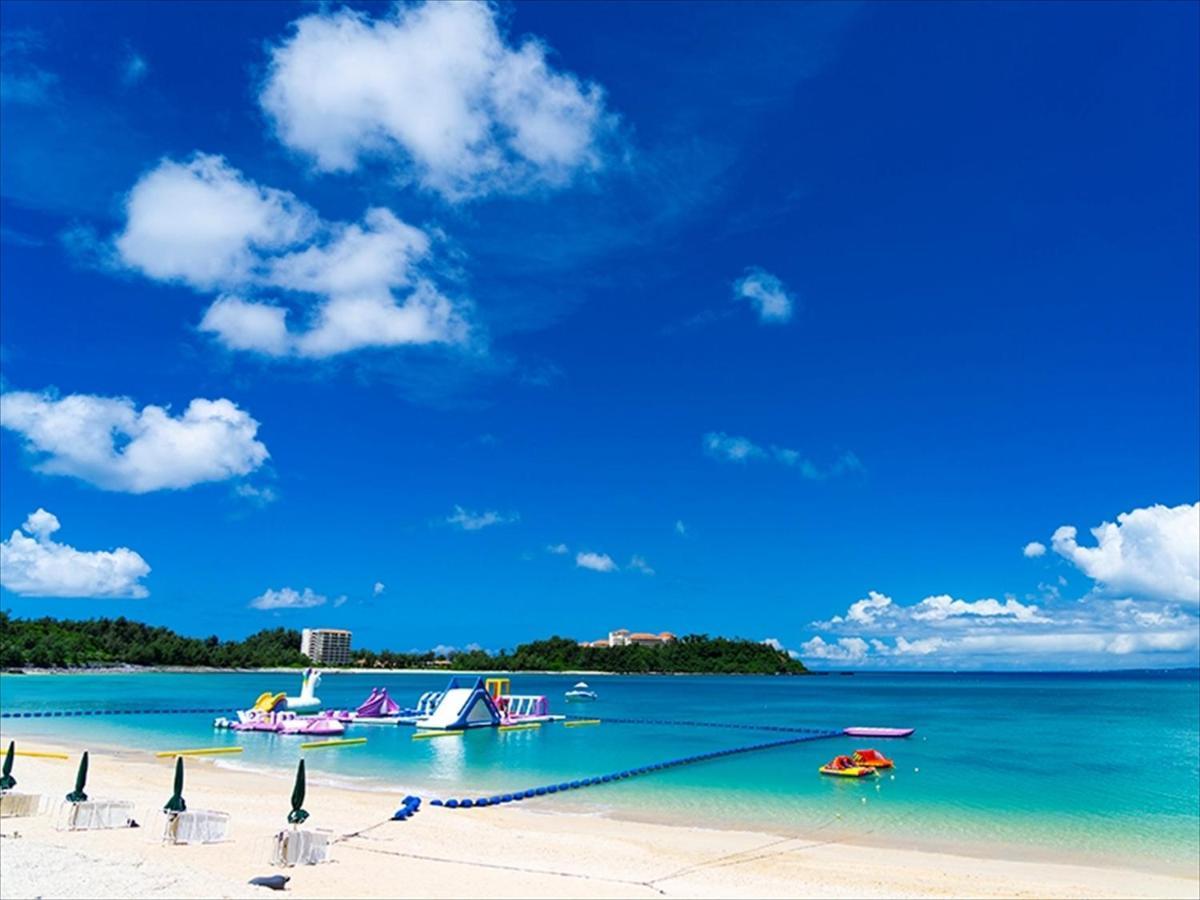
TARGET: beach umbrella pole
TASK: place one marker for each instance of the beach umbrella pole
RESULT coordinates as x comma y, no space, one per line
77,795
298,813
176,804
7,782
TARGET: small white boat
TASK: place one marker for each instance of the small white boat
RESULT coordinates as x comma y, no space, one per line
581,692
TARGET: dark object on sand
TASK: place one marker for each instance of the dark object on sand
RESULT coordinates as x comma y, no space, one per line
77,795
274,882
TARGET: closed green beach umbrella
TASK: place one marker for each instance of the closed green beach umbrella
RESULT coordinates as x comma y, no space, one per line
7,782
77,795
176,804
298,815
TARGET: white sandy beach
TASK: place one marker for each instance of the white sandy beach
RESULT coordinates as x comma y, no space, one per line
507,852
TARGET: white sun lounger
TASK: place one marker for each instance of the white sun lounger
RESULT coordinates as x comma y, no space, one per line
195,826
92,815
296,847
14,804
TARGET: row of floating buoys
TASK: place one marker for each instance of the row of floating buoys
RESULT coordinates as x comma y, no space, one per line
57,714
531,793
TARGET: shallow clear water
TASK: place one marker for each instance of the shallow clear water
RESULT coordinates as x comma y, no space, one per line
1091,766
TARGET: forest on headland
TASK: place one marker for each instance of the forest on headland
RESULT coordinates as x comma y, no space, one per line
56,643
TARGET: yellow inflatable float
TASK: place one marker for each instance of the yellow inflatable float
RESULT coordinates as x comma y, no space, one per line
267,701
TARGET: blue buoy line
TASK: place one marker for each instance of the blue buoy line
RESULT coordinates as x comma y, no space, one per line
544,790
57,714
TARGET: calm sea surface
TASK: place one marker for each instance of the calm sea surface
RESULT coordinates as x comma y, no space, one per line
1098,767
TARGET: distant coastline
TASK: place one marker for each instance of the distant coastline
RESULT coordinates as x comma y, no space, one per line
288,670
93,645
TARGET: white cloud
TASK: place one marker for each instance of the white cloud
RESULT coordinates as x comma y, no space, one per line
851,649
288,598
558,549
638,564
878,611
597,562
680,528
865,611
378,588
204,224
246,325
766,293
469,520
108,442
435,90
734,448
1013,648
340,601
944,607
1151,553
259,496
33,565
1034,549
720,445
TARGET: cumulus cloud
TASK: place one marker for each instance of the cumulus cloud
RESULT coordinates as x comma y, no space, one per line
204,224
597,562
110,443
878,611
1034,549
469,520
435,90
288,598
1141,610
734,448
680,528
1150,553
944,607
851,649
639,564
32,564
865,611
766,294
558,549
378,588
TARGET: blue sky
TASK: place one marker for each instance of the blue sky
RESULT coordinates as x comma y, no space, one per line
817,323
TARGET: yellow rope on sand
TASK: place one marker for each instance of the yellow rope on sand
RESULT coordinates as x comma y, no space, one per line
40,754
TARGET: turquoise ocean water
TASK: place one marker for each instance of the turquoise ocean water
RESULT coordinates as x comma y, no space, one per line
1093,767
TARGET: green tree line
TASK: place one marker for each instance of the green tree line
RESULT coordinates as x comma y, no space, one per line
47,643
693,653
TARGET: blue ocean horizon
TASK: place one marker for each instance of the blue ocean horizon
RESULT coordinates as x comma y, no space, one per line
1093,766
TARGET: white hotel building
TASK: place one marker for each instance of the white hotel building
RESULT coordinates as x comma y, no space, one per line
326,646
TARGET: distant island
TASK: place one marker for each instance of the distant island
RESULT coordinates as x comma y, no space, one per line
55,643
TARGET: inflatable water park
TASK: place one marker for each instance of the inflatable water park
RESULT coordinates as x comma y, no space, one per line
464,703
